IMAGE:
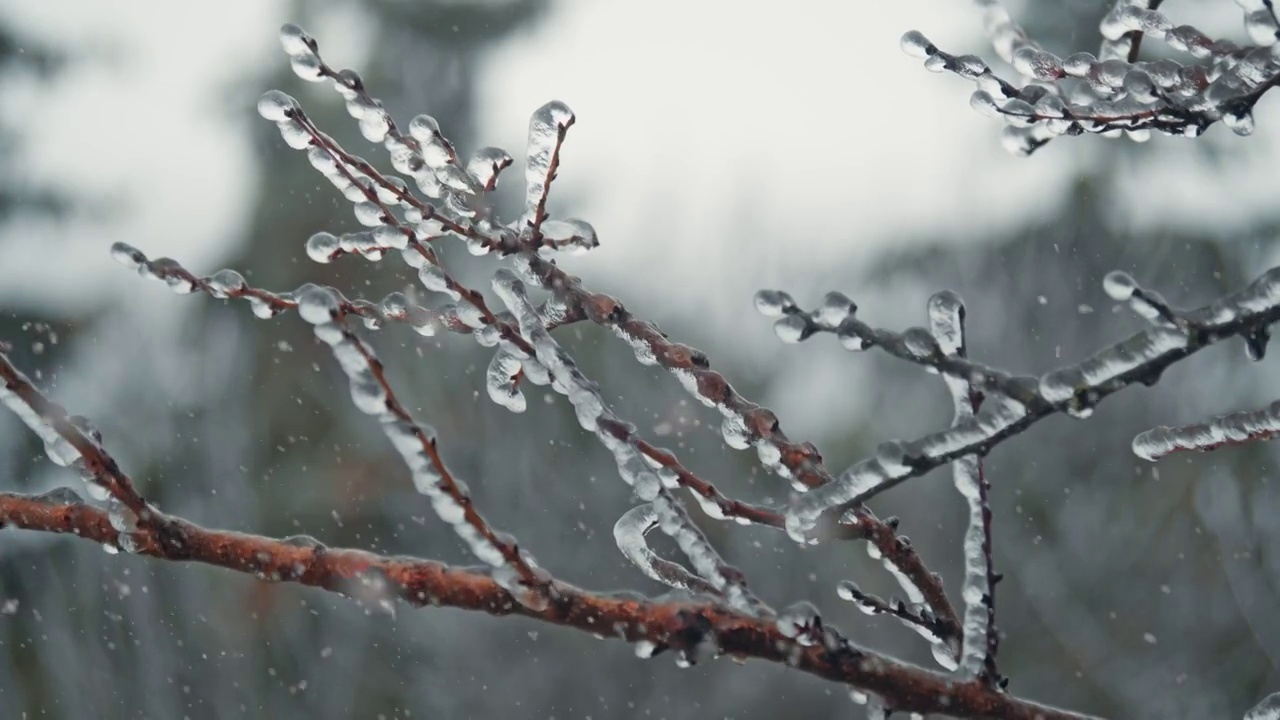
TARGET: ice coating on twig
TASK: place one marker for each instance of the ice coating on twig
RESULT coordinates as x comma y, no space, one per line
73,441
894,462
547,129
1013,404
1121,287
265,304
946,322
416,444
595,416
801,622
58,447
1076,383
1227,429
917,616
1268,709
629,534
1116,93
456,190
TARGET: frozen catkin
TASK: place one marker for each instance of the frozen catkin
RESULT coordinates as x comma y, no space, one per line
1114,92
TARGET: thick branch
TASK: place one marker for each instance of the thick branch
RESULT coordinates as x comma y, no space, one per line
677,624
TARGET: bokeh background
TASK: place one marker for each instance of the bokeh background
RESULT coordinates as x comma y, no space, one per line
720,147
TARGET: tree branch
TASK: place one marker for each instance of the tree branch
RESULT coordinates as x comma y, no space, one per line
680,625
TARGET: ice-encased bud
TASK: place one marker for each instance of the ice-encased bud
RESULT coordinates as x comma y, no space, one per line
276,106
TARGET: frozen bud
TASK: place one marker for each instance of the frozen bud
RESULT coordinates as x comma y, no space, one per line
225,282
576,235
985,104
915,44
1239,119
1078,64
1119,285
295,135
375,125
424,128
321,247
793,328
368,213
773,303
295,40
127,255
390,236
554,114
486,163
276,106
307,66
800,622
317,305
835,308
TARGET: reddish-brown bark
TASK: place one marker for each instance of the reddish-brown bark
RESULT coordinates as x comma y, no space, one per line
677,624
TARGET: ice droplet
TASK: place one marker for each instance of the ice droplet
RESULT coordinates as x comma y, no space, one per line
835,308
915,44
295,40
1119,285
773,303
307,66
127,255
321,247
276,106
317,305
792,328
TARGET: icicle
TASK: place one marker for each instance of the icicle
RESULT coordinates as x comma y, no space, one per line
546,132
946,322
629,534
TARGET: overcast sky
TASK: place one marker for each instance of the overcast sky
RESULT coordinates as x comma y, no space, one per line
707,133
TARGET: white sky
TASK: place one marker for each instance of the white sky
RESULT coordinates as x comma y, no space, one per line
737,148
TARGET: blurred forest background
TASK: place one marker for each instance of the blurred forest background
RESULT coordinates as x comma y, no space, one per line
719,148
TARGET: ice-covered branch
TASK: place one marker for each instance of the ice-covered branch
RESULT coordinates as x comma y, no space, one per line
430,159
916,616
745,425
629,534
980,641
1268,709
1228,429
676,624
1116,93
648,483
514,568
1075,390
72,441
